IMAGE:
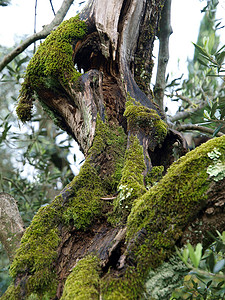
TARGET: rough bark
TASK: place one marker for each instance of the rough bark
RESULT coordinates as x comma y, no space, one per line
116,219
11,224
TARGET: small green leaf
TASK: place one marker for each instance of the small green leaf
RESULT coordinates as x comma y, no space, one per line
220,284
219,266
209,283
202,62
206,114
185,255
198,253
213,109
217,130
192,255
210,262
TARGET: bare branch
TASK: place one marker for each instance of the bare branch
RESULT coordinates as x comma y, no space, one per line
39,35
163,58
185,99
186,114
187,127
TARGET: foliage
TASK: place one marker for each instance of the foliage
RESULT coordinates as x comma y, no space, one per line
206,279
166,278
201,96
215,110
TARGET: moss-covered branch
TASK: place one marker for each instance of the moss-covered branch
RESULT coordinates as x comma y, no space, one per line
158,218
51,65
39,35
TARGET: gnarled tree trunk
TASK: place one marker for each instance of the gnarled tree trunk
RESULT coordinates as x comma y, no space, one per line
114,221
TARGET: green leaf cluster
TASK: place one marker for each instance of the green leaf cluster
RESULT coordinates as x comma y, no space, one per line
206,279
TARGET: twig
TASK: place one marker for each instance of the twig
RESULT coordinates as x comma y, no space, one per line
185,99
17,187
186,114
35,22
108,199
187,127
37,36
52,7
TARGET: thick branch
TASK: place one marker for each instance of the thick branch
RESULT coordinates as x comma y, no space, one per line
187,127
11,224
163,58
37,36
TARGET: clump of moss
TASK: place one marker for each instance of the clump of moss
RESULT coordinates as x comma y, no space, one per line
52,62
92,182
130,286
155,174
86,204
12,293
141,118
83,282
38,251
131,184
110,144
168,206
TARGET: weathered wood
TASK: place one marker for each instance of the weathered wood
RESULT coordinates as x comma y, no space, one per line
11,224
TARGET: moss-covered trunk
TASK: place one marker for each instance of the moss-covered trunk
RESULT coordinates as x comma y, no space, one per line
125,211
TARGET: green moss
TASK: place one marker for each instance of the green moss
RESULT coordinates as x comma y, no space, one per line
83,282
154,176
51,63
38,251
168,206
94,180
162,213
131,185
86,204
109,143
141,118
130,286
12,293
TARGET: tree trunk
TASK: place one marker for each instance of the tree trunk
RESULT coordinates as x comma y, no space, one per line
116,219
